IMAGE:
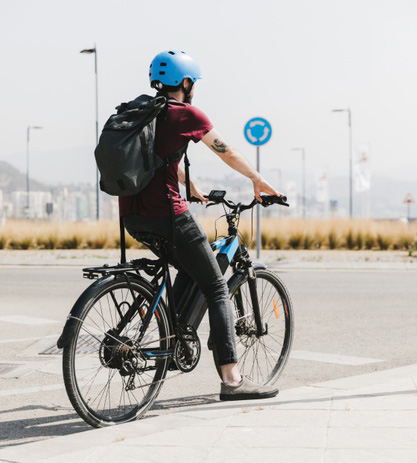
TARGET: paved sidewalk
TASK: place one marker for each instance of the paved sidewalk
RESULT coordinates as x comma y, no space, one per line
367,418
283,259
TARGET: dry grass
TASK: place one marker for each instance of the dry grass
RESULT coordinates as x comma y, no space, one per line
276,234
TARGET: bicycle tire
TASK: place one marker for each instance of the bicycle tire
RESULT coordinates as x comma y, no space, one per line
93,356
276,311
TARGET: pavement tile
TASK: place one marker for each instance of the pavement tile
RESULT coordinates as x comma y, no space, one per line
373,419
269,437
267,455
284,418
375,455
371,379
186,436
369,438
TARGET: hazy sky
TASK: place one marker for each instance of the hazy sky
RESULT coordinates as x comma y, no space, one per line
289,61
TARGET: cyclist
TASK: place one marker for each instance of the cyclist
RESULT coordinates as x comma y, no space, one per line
173,74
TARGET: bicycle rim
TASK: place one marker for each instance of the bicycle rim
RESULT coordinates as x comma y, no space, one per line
263,359
95,373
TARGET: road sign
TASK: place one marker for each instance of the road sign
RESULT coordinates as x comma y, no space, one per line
258,131
408,199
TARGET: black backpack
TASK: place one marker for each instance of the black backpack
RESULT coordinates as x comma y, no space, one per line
125,153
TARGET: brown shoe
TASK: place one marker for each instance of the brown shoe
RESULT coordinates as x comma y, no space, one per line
246,390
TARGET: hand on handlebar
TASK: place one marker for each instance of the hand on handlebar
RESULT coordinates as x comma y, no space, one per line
198,194
261,185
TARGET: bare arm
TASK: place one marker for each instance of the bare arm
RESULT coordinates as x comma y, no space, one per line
238,162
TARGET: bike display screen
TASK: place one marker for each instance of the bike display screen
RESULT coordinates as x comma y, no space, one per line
216,195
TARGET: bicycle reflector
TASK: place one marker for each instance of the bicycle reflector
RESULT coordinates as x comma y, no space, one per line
276,312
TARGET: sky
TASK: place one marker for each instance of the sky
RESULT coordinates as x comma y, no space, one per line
290,62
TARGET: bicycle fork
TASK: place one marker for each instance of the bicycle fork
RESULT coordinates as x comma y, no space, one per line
255,303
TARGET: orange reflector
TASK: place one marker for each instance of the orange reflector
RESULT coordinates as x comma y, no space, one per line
276,309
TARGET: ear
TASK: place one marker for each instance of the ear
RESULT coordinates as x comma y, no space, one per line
186,83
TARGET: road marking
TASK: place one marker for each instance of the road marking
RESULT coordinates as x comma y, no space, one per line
7,341
25,368
31,390
42,344
332,358
23,320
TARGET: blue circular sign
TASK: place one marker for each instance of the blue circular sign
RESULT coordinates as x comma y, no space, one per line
258,131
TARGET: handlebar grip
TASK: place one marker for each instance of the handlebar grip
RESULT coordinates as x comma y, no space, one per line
270,199
193,199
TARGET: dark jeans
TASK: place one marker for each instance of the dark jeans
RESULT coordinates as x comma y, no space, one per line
195,260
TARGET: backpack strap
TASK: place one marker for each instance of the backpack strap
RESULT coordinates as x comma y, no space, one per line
176,156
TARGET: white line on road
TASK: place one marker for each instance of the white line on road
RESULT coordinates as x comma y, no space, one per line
23,320
31,390
7,341
332,358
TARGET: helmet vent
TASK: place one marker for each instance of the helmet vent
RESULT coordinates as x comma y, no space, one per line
150,66
161,73
163,64
171,52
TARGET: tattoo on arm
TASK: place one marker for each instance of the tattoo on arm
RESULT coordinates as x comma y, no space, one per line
219,146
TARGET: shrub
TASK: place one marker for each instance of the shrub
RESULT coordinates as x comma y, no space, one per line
318,240
3,242
383,241
48,242
73,242
295,240
333,240
98,242
350,241
26,242
412,248
359,240
369,241
308,241
277,242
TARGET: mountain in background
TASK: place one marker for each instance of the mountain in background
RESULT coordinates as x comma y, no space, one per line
385,198
12,179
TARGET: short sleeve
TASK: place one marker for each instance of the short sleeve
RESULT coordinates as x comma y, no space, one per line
194,124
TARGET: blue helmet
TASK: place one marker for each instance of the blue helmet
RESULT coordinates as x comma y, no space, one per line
171,67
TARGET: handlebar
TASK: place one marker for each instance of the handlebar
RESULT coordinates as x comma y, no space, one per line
218,197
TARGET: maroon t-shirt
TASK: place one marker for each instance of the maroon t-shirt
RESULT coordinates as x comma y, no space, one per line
182,124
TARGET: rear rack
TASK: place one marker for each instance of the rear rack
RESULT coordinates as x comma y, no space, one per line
149,266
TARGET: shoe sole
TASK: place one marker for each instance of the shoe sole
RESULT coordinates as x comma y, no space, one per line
257,395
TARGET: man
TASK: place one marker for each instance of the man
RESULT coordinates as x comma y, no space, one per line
173,73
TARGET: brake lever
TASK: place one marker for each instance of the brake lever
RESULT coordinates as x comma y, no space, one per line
210,204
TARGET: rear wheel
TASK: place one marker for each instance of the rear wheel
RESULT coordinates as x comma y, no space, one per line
107,377
262,358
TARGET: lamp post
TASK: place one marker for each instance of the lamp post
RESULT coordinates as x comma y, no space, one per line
35,127
303,158
350,156
89,51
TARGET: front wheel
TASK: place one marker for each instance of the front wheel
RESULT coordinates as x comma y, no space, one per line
107,377
262,358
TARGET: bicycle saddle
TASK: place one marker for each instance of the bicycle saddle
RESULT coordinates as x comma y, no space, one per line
153,241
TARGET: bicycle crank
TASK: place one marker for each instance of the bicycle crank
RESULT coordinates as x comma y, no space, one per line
187,349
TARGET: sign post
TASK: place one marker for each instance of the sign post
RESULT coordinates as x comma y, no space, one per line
257,132
408,200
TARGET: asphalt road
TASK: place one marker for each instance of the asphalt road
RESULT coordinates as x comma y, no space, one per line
362,314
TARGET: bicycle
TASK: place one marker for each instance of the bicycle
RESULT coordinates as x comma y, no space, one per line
122,336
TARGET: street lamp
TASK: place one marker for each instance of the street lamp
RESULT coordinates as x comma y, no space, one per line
35,127
89,51
350,155
303,158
